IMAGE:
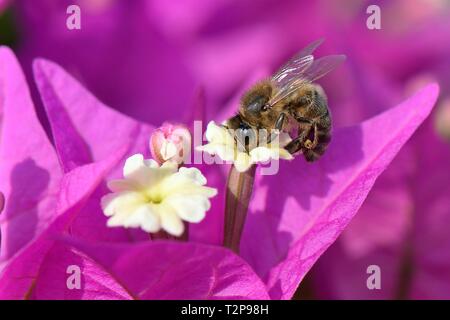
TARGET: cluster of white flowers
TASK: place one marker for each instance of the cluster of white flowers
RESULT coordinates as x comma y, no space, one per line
222,143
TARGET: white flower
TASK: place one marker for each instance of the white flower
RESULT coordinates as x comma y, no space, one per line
222,143
153,197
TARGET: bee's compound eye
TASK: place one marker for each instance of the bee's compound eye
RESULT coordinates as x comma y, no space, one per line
254,107
256,104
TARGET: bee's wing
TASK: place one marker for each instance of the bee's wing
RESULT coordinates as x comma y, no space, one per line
293,69
296,76
322,66
300,62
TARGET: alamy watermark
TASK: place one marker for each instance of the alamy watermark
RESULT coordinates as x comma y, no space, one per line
74,277
73,21
374,280
373,21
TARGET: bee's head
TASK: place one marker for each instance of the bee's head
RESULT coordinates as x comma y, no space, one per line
252,110
254,101
244,134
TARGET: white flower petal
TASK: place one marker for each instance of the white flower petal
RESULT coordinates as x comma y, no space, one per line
194,174
214,132
151,163
132,164
261,154
144,217
194,190
138,171
220,142
225,152
107,203
170,221
145,173
190,209
284,154
122,203
186,184
243,162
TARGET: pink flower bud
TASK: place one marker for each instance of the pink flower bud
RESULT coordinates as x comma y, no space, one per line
170,142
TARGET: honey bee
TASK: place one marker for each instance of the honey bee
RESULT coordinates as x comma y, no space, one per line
291,100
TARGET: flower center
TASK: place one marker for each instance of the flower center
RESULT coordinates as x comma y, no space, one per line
156,200
154,196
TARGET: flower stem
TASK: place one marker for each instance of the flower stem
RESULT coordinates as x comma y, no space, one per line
239,191
160,235
2,202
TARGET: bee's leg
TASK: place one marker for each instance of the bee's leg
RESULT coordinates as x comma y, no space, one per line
316,136
303,141
303,120
299,142
278,126
280,121
312,144
307,143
